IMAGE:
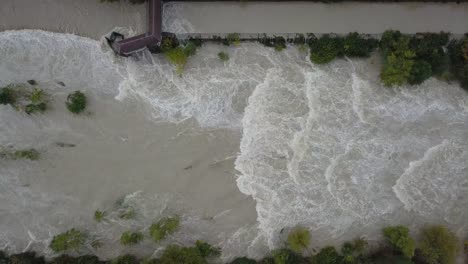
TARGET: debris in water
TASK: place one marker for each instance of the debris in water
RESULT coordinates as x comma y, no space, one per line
32,82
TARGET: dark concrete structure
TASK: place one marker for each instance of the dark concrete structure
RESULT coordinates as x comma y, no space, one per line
152,38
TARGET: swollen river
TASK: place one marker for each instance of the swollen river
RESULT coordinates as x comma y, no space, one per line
326,147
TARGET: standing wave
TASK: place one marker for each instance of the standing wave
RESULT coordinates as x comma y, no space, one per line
329,148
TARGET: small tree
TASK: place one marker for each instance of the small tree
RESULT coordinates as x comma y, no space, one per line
164,227
438,245
233,38
399,237
131,238
420,72
325,49
76,102
71,240
299,239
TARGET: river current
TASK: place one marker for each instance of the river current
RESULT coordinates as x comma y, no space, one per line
326,147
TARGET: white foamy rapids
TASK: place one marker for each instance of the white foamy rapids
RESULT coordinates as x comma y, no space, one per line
326,147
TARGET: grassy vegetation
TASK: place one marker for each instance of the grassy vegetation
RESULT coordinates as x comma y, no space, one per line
223,56
99,216
164,227
76,102
438,245
299,239
72,239
9,153
131,238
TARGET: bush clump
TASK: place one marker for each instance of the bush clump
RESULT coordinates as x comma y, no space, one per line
438,245
458,52
299,239
164,227
286,256
66,259
399,238
178,57
76,102
125,259
206,250
99,216
181,255
30,154
354,45
26,258
353,251
233,39
131,238
7,96
325,49
327,255
72,239
243,260
398,58
38,102
223,56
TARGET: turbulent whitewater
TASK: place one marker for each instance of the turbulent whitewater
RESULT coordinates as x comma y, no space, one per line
327,147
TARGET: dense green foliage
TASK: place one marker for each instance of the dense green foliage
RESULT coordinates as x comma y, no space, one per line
458,52
327,255
66,259
399,58
129,238
7,96
233,39
181,255
206,250
400,239
353,251
76,102
438,245
243,260
125,259
327,48
164,227
72,239
299,239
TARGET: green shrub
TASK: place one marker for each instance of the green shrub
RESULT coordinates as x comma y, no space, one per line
400,239
399,58
131,238
178,57
26,258
71,240
327,255
66,259
174,254
33,108
168,43
164,227
325,49
356,46
299,239
206,250
458,61
279,43
190,49
233,39
286,256
7,96
76,102
438,245
99,215
243,260
126,259
420,72
429,47
352,251
223,56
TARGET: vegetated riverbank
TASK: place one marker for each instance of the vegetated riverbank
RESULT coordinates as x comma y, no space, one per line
436,244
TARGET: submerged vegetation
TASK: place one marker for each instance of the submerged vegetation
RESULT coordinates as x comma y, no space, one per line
223,56
9,153
164,227
72,239
76,102
131,238
22,98
437,245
